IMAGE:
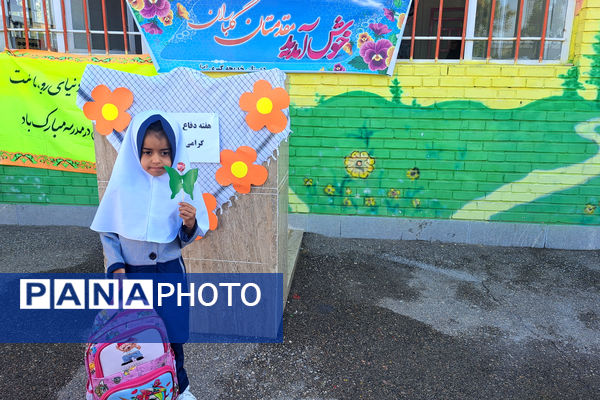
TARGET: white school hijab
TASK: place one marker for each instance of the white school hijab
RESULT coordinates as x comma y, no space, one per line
137,205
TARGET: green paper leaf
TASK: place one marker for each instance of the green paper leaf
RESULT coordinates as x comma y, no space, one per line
359,63
189,178
175,181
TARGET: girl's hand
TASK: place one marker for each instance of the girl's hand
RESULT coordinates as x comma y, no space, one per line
187,212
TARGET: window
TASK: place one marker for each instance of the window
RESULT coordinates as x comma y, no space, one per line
43,28
524,31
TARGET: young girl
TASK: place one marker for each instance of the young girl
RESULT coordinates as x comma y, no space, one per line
141,228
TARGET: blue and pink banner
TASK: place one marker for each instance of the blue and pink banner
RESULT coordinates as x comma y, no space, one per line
296,35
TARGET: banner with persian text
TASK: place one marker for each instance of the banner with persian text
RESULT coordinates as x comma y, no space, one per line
296,35
42,127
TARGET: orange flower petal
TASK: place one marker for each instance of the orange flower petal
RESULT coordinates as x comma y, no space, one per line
122,121
242,187
104,127
122,98
248,101
101,94
280,98
277,122
258,175
92,110
247,154
223,176
211,203
255,121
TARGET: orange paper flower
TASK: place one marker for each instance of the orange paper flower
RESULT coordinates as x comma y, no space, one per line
109,109
238,168
211,203
264,107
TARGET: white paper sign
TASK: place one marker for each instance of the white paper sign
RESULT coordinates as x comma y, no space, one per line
200,135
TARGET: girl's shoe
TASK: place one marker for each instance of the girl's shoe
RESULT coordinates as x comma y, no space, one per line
187,395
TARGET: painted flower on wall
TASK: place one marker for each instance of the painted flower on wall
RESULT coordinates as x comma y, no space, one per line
238,168
329,190
308,182
589,209
158,8
264,105
338,67
359,164
393,193
363,38
370,202
416,203
413,173
348,191
347,202
152,28
379,29
167,19
109,109
136,4
182,12
390,55
375,54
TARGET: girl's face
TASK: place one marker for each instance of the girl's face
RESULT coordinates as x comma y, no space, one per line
156,154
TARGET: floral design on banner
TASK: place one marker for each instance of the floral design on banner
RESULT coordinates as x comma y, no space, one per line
182,12
158,8
108,109
264,105
375,54
136,4
339,67
359,164
152,28
238,168
363,38
167,19
390,56
389,14
379,29
211,204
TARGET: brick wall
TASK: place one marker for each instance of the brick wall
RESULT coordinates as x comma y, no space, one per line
41,186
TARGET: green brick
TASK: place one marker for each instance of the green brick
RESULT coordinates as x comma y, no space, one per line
16,198
61,199
78,191
34,189
55,173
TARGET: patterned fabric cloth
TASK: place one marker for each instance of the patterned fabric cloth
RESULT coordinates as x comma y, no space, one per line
187,90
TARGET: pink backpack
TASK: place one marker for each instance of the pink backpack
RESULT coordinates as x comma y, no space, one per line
137,364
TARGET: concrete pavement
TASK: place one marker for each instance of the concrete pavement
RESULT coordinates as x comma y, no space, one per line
372,319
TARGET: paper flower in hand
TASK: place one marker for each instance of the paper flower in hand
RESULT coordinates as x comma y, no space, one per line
185,182
238,168
264,107
108,109
180,167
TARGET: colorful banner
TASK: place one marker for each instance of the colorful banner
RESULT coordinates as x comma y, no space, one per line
296,35
42,127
